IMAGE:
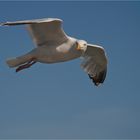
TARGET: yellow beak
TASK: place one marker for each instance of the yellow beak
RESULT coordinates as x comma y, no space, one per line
78,47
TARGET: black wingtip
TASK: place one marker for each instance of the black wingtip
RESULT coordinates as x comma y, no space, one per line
9,24
4,24
98,79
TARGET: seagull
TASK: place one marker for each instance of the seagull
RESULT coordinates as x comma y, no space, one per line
53,45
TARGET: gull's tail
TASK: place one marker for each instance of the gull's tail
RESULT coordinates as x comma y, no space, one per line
14,62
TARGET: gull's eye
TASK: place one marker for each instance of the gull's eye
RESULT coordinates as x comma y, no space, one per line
84,44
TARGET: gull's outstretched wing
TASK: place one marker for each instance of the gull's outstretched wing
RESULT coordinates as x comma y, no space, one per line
95,63
46,31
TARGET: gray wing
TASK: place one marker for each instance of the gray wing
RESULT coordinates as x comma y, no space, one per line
46,31
95,63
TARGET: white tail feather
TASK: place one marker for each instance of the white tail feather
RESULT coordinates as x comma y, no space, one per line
14,62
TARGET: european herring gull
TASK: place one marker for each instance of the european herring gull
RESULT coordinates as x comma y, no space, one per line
53,45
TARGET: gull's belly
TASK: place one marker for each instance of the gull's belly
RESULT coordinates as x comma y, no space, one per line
54,55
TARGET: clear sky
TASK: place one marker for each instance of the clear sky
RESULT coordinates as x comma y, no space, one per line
59,100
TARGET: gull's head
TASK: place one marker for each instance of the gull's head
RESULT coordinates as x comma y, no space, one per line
81,45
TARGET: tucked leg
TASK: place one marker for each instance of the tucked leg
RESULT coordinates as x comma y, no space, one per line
26,65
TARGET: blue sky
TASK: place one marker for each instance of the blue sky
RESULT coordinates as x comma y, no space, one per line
59,100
